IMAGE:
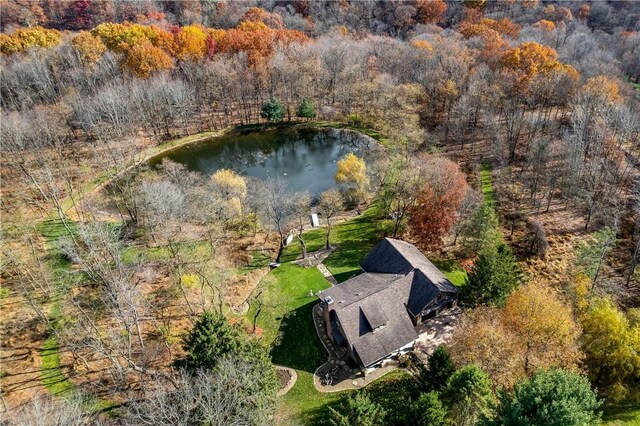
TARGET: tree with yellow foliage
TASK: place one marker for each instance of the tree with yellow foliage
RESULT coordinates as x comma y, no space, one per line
144,59
544,325
230,190
26,38
89,47
611,342
9,45
190,43
534,330
352,172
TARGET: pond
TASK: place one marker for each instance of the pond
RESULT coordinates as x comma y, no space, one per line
305,158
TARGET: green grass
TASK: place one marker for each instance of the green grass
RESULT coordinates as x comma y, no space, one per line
628,415
353,238
452,270
486,184
4,293
289,292
52,376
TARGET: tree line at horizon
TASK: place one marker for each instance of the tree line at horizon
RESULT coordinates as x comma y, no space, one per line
543,92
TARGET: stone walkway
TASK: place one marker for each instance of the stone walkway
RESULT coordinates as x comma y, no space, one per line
314,258
323,269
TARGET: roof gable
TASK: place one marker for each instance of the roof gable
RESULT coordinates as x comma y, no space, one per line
385,258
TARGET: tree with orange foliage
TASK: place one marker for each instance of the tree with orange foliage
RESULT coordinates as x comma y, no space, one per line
545,25
434,212
503,27
430,11
89,47
256,14
144,59
535,329
530,58
9,45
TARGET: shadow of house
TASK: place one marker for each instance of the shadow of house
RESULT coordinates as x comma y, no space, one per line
374,314
297,349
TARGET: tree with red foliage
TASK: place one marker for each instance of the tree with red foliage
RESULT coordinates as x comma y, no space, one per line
82,17
434,213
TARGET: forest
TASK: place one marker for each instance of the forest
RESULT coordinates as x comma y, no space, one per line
135,290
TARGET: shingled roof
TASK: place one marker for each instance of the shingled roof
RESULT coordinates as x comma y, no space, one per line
374,322
372,307
393,256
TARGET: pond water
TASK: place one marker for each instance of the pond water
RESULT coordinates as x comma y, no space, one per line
305,158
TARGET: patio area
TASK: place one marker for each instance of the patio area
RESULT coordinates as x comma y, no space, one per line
338,373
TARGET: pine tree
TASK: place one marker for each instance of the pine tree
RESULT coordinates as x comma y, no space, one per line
306,109
211,338
273,110
552,397
494,276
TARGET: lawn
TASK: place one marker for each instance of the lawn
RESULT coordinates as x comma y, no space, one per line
621,416
486,184
290,322
353,238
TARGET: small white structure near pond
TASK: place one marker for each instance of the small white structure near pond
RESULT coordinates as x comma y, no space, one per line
288,240
314,220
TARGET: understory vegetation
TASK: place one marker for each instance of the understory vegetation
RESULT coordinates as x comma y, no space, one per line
137,291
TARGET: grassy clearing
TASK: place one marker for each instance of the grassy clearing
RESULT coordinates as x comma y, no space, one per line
486,184
52,375
452,269
353,238
621,416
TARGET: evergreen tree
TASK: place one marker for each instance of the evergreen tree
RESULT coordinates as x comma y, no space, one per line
495,275
306,109
358,410
469,395
482,232
550,397
273,110
439,370
429,411
211,338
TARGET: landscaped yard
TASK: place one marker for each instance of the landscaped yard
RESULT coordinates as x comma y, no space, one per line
290,322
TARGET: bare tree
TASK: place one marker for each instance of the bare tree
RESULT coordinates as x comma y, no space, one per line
237,392
330,204
302,209
275,205
45,411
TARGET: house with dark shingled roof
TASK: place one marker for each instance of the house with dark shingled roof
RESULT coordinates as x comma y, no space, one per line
373,315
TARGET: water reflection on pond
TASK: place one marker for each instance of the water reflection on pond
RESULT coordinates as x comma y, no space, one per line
306,159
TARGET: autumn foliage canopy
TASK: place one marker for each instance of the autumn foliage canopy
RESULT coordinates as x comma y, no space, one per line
434,212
